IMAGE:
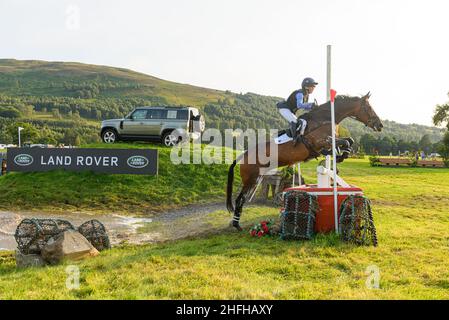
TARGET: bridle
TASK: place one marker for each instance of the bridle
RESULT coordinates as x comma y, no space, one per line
365,108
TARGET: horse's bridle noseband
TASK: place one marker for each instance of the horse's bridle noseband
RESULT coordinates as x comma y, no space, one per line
364,107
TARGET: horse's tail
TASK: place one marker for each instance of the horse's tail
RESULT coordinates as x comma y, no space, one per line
229,204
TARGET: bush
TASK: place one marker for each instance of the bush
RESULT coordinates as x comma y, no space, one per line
446,163
374,161
414,162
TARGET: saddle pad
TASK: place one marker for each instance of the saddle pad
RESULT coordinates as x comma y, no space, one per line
282,139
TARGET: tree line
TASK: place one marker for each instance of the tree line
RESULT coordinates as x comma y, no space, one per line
389,145
48,132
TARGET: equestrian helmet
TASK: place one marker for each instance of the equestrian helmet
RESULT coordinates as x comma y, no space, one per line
307,82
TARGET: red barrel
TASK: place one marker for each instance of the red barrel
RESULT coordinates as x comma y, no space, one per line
324,222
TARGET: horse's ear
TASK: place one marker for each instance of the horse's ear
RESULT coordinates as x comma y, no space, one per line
368,95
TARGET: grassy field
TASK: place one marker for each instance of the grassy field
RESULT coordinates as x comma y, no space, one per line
60,190
411,215
50,118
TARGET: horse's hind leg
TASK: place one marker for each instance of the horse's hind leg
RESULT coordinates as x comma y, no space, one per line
242,198
239,202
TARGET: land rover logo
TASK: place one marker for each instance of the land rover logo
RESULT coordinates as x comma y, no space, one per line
137,162
23,159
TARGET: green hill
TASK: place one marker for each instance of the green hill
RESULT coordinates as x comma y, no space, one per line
78,80
71,98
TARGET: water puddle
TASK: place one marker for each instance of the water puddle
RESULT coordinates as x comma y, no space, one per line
170,225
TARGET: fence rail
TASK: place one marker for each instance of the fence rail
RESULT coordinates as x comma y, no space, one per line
408,162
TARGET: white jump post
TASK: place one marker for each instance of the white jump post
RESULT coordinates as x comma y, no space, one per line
333,93
18,130
331,96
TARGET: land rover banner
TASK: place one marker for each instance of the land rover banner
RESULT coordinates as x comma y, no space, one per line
122,161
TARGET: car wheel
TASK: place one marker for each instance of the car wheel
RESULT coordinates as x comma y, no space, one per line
170,139
109,136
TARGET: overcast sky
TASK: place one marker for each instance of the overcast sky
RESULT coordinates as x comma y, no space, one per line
399,50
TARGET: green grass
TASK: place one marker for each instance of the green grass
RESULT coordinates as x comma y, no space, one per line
176,185
50,120
411,215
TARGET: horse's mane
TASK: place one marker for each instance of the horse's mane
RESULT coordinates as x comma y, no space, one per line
322,112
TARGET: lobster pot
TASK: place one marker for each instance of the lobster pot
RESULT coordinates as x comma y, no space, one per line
32,234
298,215
95,232
356,224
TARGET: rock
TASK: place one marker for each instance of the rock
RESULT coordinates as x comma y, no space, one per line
69,245
28,260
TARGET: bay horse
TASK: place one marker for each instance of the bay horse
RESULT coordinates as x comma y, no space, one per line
316,138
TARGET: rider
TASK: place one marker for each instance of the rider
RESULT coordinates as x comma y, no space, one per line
298,100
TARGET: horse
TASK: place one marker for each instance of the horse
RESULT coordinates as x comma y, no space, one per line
316,139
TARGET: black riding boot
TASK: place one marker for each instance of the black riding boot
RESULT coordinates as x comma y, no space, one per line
293,128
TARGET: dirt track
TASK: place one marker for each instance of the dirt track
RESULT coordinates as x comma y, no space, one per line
165,226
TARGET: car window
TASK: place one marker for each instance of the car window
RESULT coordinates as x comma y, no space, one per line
182,115
172,114
157,114
139,114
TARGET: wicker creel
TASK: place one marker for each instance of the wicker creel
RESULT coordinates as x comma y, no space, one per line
298,216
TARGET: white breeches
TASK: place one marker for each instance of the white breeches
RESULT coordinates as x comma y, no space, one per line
288,115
